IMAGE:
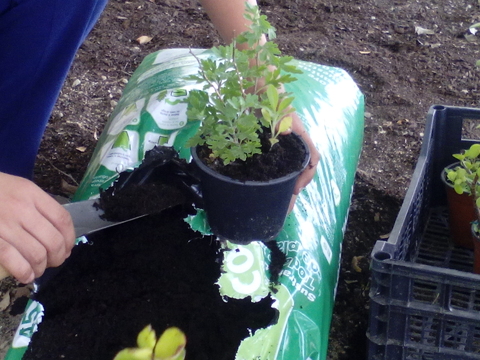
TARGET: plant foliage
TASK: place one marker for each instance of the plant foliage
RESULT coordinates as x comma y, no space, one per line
465,177
242,93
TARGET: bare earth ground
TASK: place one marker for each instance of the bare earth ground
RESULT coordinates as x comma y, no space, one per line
401,71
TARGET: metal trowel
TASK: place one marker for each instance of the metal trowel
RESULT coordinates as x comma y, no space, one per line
87,217
86,220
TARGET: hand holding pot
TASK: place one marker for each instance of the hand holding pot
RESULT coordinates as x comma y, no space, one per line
307,175
35,231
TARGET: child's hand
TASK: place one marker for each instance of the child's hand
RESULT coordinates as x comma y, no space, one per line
35,231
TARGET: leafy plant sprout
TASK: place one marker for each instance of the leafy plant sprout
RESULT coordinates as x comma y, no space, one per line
465,177
169,346
242,93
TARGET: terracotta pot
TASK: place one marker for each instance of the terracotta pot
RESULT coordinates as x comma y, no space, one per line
461,214
476,250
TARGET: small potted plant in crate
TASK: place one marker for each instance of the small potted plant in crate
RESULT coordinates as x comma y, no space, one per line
464,210
243,159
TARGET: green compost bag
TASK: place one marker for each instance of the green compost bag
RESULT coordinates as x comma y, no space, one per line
151,111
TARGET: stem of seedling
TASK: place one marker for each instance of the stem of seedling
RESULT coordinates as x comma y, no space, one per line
204,75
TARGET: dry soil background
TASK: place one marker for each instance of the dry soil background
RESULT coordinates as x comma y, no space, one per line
404,54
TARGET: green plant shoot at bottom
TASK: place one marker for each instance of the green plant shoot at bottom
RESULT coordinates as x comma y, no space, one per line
169,346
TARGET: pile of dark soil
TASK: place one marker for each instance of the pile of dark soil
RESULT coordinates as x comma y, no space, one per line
155,271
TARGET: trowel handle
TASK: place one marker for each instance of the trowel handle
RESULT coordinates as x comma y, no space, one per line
3,273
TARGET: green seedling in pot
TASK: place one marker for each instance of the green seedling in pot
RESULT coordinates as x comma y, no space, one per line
242,93
169,346
465,177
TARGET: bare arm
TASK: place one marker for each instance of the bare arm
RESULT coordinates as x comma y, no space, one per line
227,16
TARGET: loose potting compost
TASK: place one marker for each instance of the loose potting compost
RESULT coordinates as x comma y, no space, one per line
291,319
156,271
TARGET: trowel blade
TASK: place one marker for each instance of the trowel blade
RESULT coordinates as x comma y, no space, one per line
87,217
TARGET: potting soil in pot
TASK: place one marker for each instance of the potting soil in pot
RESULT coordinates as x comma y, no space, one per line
156,271
282,159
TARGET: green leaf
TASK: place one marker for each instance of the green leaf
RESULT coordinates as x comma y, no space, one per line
134,354
291,69
459,181
474,151
451,176
273,141
272,94
285,103
285,124
147,338
461,172
458,189
171,344
266,115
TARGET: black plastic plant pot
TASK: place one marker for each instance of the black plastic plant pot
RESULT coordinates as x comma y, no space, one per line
245,211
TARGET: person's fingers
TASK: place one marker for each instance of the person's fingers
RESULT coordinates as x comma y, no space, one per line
304,179
50,224
56,246
292,203
13,261
60,219
307,175
13,233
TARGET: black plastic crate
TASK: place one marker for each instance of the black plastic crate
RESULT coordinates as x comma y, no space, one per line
424,297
